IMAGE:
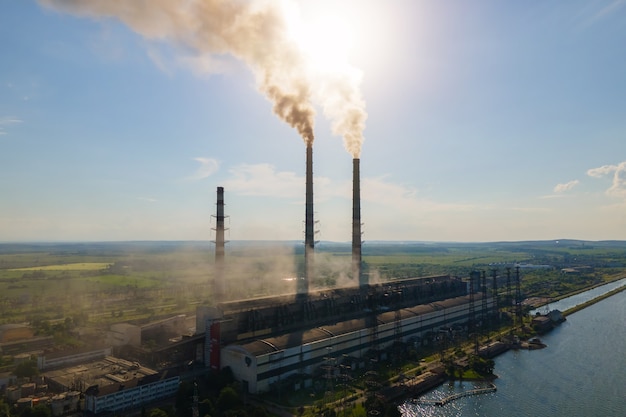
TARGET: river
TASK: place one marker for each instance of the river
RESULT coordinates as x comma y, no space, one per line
581,373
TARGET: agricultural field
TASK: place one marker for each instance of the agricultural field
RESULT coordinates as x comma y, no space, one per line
81,266
101,283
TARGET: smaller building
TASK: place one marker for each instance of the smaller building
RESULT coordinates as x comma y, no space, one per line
130,394
122,334
109,384
543,323
65,403
6,380
53,360
493,349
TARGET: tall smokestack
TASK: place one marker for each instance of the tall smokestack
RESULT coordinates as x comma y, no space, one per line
218,283
309,232
356,224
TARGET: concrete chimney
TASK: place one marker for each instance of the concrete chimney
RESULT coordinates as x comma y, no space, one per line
356,225
218,282
309,227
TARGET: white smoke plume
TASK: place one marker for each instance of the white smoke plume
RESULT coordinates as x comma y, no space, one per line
341,99
255,32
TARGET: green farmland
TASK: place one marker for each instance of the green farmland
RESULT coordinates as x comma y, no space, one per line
101,283
81,266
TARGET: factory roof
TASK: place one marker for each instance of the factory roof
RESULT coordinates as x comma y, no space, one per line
252,303
102,390
103,372
289,340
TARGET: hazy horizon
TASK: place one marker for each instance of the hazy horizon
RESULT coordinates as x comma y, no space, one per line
298,242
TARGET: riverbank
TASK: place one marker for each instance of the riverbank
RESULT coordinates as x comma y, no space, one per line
538,344
443,401
582,290
593,301
577,375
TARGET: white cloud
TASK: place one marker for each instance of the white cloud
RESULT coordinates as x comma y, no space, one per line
601,171
208,167
561,188
618,184
264,180
596,11
398,196
7,121
608,10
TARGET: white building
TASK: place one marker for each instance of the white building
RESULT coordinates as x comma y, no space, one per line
130,394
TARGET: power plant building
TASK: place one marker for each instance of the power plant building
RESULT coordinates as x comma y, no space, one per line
262,362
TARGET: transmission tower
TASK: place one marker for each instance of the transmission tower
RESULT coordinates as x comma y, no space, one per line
483,289
508,286
495,295
194,409
474,278
518,297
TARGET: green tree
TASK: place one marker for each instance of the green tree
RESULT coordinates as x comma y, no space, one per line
157,412
39,410
206,408
27,369
227,399
481,365
5,410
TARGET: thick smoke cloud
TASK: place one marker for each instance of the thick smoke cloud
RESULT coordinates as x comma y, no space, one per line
256,32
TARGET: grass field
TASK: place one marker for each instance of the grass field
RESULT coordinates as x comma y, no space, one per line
101,278
80,266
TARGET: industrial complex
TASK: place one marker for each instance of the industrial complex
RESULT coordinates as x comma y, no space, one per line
276,342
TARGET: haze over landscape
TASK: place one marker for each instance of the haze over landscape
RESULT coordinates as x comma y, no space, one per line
480,121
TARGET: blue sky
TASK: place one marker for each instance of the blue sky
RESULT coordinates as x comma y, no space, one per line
486,120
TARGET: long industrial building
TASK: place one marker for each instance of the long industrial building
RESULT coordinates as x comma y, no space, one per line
271,340
261,362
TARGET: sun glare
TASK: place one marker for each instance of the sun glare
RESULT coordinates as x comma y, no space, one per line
326,41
